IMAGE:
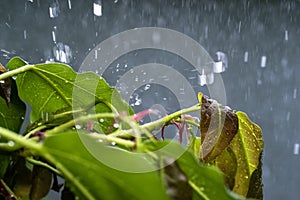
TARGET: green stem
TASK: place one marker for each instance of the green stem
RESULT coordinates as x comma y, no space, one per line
18,139
156,125
82,119
15,71
40,163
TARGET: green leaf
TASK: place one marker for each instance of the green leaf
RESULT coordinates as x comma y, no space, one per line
41,182
90,178
52,86
219,125
247,146
207,181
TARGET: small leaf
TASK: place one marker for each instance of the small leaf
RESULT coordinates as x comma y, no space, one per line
5,89
247,146
219,125
41,182
12,117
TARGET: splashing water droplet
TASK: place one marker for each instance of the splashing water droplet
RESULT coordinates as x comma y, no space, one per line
54,10
62,52
97,7
147,86
202,79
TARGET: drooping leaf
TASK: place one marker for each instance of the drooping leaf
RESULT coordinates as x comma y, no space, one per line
178,187
91,178
247,146
12,117
41,182
52,86
5,89
256,187
227,163
207,181
219,125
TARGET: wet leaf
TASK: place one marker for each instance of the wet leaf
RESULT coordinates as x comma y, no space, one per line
91,178
219,125
227,163
5,89
41,182
13,116
52,86
207,181
177,184
247,146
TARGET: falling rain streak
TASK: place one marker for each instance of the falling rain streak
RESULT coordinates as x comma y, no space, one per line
246,56
296,148
263,61
54,10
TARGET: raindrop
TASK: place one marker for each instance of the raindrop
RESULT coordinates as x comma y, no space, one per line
54,34
54,10
288,116
246,55
11,143
210,78
69,4
147,86
25,34
30,1
286,35
296,148
62,52
77,126
113,143
97,6
138,100
218,67
202,79
221,56
100,140
263,61
295,93
101,120
116,125
206,32
116,1
2,81
96,54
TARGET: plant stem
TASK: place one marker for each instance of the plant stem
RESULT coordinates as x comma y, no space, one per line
18,139
16,71
82,119
155,125
40,163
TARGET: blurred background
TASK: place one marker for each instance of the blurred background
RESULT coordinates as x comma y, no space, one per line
260,40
